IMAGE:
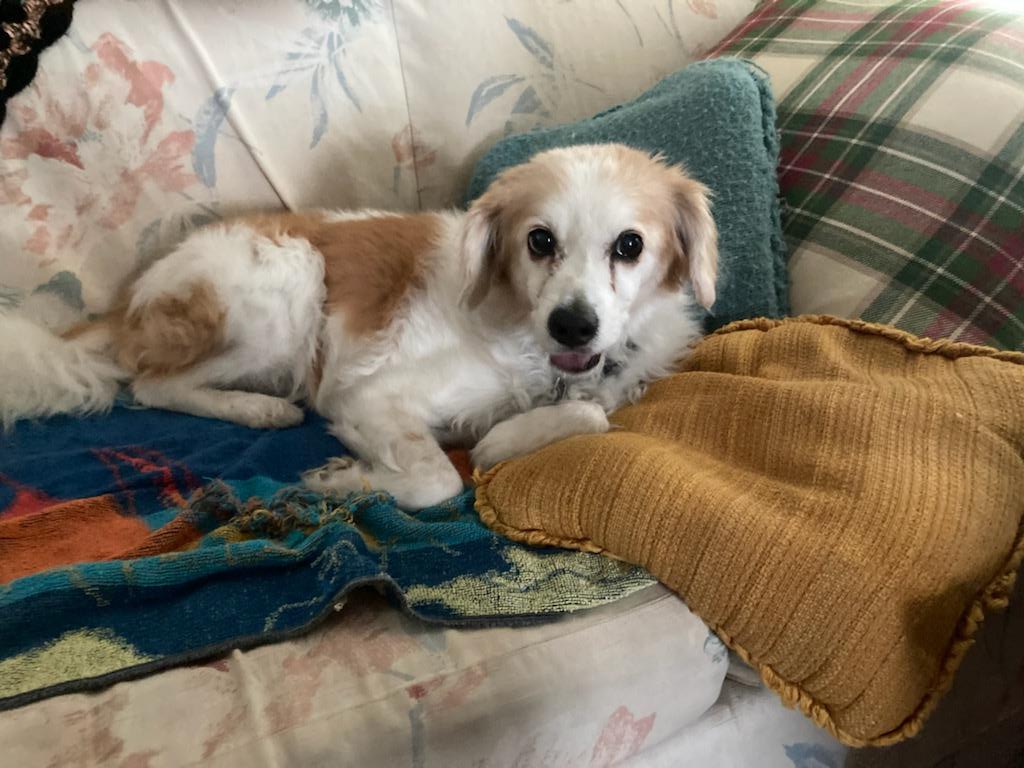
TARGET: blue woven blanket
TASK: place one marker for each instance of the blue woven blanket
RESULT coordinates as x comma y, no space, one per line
145,539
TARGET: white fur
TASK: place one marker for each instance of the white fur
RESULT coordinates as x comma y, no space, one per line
540,426
441,371
43,375
274,295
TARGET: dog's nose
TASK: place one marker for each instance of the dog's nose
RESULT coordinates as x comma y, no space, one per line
574,325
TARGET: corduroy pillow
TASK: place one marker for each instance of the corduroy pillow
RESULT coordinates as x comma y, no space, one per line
717,118
839,501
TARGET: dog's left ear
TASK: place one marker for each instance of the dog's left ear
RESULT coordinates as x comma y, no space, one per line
697,237
478,252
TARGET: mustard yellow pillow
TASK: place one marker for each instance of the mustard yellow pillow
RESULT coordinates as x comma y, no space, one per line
839,501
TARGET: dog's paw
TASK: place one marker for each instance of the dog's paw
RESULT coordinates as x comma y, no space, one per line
341,475
535,429
588,417
492,449
599,395
265,412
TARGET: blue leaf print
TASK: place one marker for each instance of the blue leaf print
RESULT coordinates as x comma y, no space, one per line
488,91
714,648
10,297
207,127
636,29
810,755
354,10
65,286
319,108
332,49
528,102
533,42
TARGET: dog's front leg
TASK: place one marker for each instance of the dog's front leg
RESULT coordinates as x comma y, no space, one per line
397,453
534,429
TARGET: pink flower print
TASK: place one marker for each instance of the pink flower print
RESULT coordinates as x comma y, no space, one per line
622,737
412,153
90,155
446,692
164,168
704,8
40,141
147,78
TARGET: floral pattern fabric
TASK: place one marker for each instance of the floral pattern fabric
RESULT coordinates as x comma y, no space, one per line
376,688
148,119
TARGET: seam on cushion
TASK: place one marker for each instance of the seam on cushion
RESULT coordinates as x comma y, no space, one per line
994,596
402,686
233,120
408,107
943,347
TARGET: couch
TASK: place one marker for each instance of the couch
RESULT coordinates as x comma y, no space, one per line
184,112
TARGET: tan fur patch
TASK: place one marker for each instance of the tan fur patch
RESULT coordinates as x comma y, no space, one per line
677,206
370,265
660,191
508,203
668,201
170,333
81,329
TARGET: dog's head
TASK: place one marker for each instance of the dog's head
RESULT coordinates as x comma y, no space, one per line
579,239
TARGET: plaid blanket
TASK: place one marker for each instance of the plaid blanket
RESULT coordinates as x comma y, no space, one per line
144,539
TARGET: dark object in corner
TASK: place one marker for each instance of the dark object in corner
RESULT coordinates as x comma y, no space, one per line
27,28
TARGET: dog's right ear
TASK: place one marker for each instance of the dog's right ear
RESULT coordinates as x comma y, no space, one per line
479,251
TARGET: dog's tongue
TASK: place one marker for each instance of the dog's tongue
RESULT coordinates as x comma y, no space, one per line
575,362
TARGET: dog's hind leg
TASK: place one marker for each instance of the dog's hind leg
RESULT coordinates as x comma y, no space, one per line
250,409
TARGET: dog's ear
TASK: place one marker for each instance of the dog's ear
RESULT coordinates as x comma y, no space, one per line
479,246
697,238
484,262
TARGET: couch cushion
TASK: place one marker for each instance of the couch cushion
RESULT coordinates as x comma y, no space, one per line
144,121
902,129
839,501
373,687
716,118
478,71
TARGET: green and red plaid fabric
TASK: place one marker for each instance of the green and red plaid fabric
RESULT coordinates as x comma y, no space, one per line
902,128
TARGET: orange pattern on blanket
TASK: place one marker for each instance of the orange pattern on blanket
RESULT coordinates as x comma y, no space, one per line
89,530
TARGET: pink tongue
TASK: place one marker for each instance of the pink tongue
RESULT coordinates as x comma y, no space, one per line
574,362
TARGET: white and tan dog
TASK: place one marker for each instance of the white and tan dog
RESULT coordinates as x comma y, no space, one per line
551,302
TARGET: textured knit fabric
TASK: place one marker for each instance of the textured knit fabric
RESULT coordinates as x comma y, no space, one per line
120,553
717,119
839,501
902,131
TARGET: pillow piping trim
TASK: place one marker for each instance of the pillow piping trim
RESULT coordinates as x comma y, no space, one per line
995,596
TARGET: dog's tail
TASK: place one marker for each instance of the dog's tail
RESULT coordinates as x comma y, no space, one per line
43,374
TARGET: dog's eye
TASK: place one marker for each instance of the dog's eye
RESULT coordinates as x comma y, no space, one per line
628,247
541,242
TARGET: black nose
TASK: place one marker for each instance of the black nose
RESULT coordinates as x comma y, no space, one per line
574,325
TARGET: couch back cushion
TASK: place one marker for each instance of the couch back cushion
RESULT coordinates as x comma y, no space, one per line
902,132
143,122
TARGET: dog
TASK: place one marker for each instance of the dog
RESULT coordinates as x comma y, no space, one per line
563,290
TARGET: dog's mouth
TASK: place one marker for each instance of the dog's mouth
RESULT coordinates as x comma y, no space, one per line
575,362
